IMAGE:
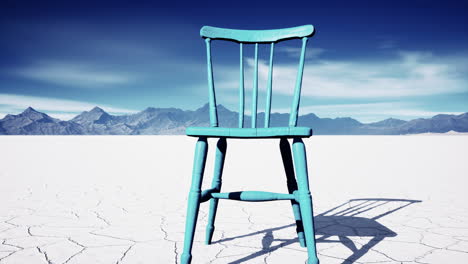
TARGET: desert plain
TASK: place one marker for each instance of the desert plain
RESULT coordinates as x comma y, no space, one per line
123,199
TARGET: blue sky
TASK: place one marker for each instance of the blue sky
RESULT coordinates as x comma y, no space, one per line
369,60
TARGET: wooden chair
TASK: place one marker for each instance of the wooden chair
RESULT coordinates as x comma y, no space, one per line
299,193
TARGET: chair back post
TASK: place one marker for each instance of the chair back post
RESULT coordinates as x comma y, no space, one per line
297,90
212,95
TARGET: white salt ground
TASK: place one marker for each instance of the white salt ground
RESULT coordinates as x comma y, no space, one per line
122,199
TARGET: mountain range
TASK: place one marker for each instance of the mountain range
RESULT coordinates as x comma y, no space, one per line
173,121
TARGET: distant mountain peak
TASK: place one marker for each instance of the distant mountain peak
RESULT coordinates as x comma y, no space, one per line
389,122
206,108
30,110
96,114
27,121
97,109
33,114
440,116
150,109
222,108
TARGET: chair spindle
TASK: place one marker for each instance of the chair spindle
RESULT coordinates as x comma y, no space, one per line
269,88
255,89
241,88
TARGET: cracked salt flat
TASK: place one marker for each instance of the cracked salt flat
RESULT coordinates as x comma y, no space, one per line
99,199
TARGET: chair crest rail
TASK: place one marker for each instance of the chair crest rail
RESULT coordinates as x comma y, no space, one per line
257,36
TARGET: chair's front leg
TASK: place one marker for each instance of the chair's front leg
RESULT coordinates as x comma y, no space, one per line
194,198
292,186
216,184
305,199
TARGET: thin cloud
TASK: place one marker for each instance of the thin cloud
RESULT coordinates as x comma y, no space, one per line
59,108
390,82
407,74
296,51
73,75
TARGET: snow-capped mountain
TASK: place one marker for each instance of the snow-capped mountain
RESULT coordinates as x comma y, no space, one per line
173,121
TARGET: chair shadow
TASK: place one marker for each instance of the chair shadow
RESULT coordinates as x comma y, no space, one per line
342,221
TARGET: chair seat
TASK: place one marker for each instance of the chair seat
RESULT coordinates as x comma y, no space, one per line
271,132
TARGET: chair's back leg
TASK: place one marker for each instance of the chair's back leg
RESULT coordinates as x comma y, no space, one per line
292,186
305,199
194,198
216,184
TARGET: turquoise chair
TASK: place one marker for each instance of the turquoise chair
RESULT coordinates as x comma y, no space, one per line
299,193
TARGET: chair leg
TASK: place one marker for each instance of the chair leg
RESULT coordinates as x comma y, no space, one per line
216,184
305,199
292,187
194,198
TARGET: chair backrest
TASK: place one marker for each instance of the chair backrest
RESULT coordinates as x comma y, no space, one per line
256,37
